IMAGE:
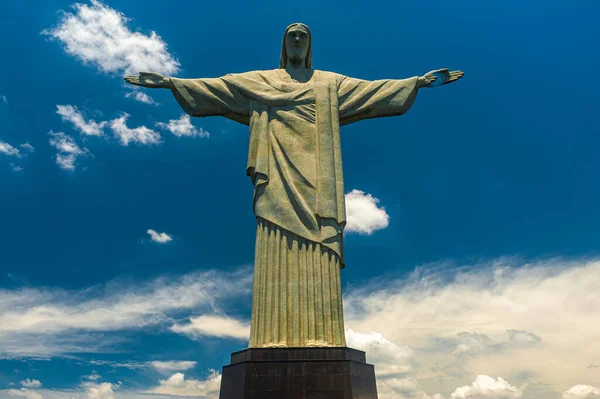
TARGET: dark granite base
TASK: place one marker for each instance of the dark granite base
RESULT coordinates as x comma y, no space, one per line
298,373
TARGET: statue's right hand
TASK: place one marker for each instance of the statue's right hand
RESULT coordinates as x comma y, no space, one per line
153,80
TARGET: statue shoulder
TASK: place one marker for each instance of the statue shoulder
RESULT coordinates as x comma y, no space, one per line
327,75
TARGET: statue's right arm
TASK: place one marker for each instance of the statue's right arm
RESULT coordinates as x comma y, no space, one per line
152,80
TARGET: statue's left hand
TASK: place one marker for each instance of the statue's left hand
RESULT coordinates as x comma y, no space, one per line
439,77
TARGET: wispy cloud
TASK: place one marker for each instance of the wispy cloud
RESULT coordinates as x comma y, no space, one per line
68,150
98,35
37,322
121,364
215,326
164,367
161,238
183,127
8,149
16,168
363,214
139,135
3,99
88,127
141,97
28,147
173,365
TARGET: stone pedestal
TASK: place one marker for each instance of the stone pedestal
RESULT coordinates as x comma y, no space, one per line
298,373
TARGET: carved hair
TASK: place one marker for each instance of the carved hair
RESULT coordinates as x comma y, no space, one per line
284,59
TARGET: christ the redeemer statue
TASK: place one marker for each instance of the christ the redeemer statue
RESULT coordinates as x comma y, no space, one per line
295,163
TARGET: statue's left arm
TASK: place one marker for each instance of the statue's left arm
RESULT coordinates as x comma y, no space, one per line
364,99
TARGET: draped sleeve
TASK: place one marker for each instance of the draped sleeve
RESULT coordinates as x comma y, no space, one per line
213,97
363,99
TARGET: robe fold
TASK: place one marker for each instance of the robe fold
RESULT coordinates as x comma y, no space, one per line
295,165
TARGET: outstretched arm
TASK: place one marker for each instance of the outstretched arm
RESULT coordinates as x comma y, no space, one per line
363,99
201,97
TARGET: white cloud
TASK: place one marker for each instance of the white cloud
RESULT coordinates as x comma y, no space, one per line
16,168
68,150
167,366
485,387
402,388
4,99
28,147
183,127
581,392
29,383
37,322
126,364
24,392
502,318
71,114
394,365
178,385
391,359
8,149
98,35
140,135
92,377
95,391
215,326
161,238
141,97
171,366
103,390
363,215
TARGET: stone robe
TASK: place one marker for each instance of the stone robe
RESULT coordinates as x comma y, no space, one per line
295,164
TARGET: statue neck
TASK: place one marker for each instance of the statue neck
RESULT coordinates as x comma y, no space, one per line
295,64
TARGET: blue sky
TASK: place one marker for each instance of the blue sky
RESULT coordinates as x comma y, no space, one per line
473,263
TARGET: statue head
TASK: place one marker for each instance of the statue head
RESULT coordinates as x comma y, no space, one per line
297,46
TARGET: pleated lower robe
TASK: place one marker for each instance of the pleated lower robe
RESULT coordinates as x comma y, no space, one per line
297,296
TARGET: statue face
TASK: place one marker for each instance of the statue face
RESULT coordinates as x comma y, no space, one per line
296,43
